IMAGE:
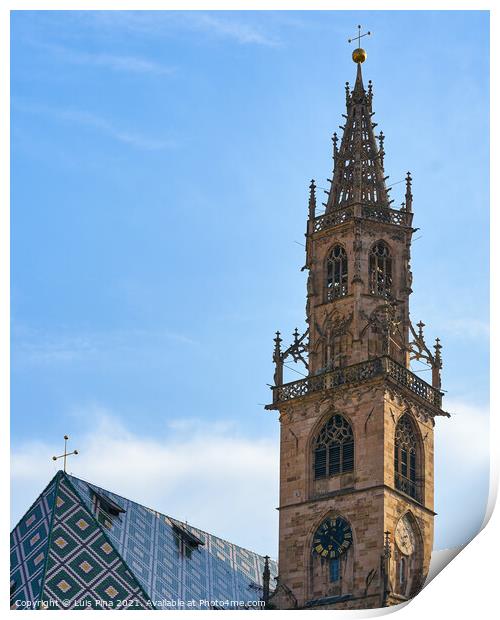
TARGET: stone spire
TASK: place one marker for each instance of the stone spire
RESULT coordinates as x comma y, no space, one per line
358,176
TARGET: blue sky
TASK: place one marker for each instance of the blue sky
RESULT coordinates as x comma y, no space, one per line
160,165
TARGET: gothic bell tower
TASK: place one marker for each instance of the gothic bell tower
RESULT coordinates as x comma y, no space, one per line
356,513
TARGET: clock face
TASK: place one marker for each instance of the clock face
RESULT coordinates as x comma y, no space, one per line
332,538
404,536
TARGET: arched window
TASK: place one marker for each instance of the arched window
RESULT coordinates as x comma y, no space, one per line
405,458
336,273
380,270
334,448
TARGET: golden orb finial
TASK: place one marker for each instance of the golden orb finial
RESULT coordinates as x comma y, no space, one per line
359,55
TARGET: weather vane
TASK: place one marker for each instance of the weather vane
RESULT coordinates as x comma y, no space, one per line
66,453
359,55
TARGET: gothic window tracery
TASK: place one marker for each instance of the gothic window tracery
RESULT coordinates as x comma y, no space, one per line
334,448
336,273
380,270
406,458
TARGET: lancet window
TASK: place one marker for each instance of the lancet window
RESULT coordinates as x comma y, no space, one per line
336,273
406,458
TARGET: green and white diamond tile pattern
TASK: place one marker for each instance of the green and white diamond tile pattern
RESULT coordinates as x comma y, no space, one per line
151,547
28,550
83,568
67,554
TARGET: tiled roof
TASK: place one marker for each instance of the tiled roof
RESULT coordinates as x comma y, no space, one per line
80,545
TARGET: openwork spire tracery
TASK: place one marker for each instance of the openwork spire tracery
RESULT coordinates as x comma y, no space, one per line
358,164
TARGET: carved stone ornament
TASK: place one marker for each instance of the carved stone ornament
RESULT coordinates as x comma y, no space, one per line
298,351
334,324
385,320
418,411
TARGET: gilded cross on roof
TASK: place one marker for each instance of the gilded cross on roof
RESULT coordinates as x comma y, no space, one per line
359,54
66,453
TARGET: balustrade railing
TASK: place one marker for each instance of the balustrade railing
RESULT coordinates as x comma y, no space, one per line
333,218
379,214
362,371
389,216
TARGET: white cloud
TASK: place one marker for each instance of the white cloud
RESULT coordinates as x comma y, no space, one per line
462,464
38,347
159,23
463,439
118,62
241,32
136,139
216,479
87,119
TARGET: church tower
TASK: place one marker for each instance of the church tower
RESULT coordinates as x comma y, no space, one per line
356,513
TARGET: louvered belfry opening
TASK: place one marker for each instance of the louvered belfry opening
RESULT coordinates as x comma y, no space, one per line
334,448
358,176
406,458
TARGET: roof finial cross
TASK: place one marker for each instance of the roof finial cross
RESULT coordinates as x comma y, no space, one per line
359,36
359,54
66,453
